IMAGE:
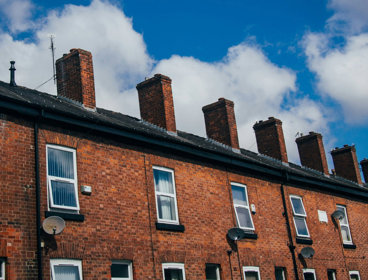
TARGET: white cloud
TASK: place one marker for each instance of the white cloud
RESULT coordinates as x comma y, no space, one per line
342,73
17,14
258,87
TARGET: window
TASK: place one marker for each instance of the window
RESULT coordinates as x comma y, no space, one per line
280,273
165,195
354,275
62,178
121,270
62,269
344,226
241,206
309,274
251,273
173,271
212,271
299,216
2,269
331,274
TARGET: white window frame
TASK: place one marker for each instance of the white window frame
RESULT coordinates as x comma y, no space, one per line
157,194
173,266
74,181
2,265
343,208
251,269
309,270
130,269
354,272
242,206
66,262
217,267
303,216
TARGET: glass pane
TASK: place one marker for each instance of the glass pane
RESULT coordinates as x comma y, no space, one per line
166,208
173,274
244,217
309,276
239,195
279,273
354,277
211,272
163,181
345,234
301,226
251,275
1,269
331,275
120,270
63,194
298,205
66,272
344,220
60,163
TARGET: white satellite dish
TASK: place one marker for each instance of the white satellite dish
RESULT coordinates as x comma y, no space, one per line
53,225
307,252
338,214
236,234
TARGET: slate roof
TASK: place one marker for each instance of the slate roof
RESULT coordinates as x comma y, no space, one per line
42,101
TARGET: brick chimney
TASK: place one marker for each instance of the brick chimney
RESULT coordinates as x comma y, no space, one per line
311,152
156,102
364,165
270,139
220,122
75,80
346,163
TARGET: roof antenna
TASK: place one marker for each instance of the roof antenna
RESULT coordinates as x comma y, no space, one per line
53,56
12,74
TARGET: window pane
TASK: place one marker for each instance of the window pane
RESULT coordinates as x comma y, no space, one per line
120,270
66,272
345,234
251,275
301,226
212,272
244,217
298,206
163,181
63,193
173,274
239,195
1,269
354,277
60,163
279,273
166,208
331,275
309,276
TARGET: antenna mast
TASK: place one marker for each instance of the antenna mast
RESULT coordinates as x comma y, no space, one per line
53,56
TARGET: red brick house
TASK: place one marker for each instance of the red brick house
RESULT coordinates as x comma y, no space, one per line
143,200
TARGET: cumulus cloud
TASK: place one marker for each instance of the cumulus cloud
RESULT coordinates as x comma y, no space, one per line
342,73
245,75
17,14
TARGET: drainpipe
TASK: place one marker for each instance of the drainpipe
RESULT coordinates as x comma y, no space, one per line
291,243
38,209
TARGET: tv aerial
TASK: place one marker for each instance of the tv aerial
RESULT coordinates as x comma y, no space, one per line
236,234
53,225
338,215
307,252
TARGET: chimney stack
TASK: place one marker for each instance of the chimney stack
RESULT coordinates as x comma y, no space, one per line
270,139
75,80
311,152
364,165
346,163
220,122
156,102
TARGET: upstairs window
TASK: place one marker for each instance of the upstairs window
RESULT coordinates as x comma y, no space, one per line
64,269
354,275
173,271
309,274
331,274
344,226
280,273
299,216
2,269
62,178
121,270
212,271
241,206
251,273
167,211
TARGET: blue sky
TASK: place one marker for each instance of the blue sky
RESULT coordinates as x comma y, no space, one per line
305,62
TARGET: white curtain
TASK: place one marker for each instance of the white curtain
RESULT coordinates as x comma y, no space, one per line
66,272
166,204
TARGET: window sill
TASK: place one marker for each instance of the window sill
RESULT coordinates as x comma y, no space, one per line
306,241
170,227
349,246
250,235
65,216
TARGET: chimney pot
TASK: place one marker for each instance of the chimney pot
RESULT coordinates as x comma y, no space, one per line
12,74
346,163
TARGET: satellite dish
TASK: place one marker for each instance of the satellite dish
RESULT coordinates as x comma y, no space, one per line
53,225
236,234
338,214
307,252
